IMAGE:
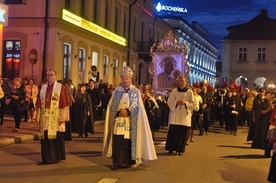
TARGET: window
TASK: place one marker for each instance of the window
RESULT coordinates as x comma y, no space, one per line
68,4
150,36
142,30
66,62
116,19
242,54
105,65
95,57
95,10
81,65
115,68
134,29
106,14
13,2
125,21
82,8
261,54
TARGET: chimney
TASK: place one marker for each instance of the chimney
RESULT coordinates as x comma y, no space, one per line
264,12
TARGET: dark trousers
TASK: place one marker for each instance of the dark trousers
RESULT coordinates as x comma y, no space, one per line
206,121
2,110
176,138
234,122
272,170
53,150
121,151
17,115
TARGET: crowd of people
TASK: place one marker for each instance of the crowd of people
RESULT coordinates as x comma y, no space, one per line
131,113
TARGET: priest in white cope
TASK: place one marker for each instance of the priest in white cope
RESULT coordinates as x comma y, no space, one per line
52,112
181,103
127,135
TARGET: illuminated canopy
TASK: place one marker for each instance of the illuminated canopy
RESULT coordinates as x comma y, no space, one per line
91,27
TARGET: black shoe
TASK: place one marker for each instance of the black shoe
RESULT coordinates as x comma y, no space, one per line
267,153
180,154
42,163
80,136
170,152
86,135
114,167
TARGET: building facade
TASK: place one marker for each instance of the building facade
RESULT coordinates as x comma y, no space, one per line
249,53
71,36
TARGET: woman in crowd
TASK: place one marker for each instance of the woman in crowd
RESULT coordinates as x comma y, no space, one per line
262,125
31,97
196,116
235,112
18,104
152,111
83,115
248,108
229,100
95,97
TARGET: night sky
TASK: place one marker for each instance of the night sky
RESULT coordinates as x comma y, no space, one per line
216,15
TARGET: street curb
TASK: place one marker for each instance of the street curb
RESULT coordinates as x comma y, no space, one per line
18,140
29,137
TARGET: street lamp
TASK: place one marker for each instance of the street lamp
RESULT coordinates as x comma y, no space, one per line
271,87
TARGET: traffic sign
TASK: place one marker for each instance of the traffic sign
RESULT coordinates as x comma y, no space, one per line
33,56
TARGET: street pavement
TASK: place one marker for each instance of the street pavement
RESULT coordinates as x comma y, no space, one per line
214,158
27,132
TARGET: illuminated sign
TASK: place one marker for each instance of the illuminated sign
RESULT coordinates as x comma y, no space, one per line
80,22
4,14
159,7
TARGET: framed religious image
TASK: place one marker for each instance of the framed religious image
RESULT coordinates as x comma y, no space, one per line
168,62
167,67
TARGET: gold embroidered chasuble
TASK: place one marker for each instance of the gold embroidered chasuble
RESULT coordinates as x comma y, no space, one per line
54,109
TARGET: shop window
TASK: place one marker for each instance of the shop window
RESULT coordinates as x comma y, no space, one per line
11,58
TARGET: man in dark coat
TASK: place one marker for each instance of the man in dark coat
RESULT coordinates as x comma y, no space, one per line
207,99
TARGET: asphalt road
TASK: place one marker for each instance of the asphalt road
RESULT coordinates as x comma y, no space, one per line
214,158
